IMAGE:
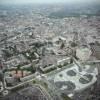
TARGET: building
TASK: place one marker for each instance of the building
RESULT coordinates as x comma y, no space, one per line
83,53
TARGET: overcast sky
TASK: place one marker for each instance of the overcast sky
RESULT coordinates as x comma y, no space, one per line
44,1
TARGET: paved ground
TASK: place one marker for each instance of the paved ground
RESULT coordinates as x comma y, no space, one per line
91,93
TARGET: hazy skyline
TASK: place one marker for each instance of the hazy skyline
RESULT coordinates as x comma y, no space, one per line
44,1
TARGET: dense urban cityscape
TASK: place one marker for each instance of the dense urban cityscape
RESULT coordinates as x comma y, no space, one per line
47,54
